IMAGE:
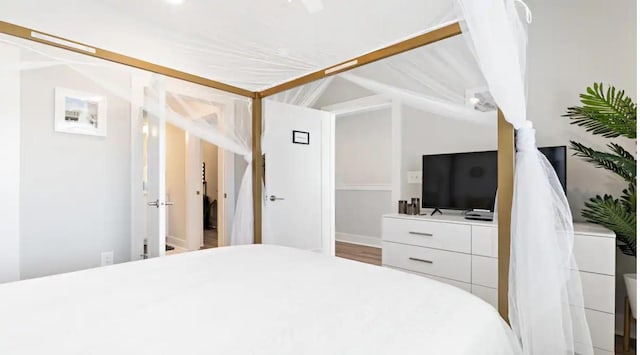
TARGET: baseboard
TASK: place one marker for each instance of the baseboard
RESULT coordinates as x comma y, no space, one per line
177,242
359,239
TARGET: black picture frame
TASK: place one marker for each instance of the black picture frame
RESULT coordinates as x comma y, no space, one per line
300,137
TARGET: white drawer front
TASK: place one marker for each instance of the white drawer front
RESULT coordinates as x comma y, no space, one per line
445,236
595,254
599,292
461,285
484,241
597,351
451,265
602,328
488,294
484,271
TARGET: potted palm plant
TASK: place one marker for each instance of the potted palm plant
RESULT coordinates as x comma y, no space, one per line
611,114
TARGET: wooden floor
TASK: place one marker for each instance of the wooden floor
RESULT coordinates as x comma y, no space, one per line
210,239
374,256
619,350
361,253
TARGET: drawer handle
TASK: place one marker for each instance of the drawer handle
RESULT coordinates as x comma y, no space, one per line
420,233
421,260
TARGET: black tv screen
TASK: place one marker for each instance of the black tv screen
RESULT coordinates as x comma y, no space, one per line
466,181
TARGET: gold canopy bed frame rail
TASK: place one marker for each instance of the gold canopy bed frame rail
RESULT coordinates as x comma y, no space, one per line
506,152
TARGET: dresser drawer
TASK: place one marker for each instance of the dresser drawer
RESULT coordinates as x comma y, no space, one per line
451,265
484,241
459,284
602,327
599,292
595,254
445,236
488,294
597,351
484,271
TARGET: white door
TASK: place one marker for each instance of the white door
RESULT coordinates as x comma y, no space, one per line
226,195
194,192
156,203
299,177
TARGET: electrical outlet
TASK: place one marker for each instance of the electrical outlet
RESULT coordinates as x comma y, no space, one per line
106,258
414,177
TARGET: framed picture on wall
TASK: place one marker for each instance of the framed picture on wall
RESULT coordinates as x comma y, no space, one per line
80,112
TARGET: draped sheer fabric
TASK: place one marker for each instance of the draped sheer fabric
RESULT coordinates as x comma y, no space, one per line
545,292
214,116
545,297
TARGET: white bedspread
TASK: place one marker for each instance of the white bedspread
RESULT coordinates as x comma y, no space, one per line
246,300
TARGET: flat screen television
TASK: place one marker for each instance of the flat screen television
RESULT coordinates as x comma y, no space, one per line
467,181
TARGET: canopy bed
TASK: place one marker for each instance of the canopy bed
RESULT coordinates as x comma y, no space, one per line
272,300
543,308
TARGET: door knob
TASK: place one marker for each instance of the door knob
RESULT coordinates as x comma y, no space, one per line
157,203
274,198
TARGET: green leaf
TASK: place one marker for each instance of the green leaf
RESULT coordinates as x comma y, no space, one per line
621,163
612,214
628,198
610,114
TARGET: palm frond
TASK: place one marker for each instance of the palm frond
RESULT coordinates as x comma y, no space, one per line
612,214
610,114
622,163
628,198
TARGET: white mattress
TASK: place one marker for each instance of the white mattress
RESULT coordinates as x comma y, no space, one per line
246,300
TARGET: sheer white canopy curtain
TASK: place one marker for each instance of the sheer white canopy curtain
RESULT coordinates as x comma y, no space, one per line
545,294
214,116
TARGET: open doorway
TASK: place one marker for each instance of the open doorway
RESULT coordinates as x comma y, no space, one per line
210,196
188,185
197,195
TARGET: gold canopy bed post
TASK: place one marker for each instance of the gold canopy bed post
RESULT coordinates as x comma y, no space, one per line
506,169
256,168
505,130
506,148
56,41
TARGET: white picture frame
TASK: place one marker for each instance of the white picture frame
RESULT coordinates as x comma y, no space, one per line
80,112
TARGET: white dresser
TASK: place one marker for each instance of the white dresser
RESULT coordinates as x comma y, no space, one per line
464,253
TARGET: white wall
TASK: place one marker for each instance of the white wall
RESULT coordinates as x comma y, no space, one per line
574,43
10,167
74,189
363,175
176,186
363,148
340,90
423,133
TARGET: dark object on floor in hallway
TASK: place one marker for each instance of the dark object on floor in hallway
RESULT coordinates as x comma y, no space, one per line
210,211
206,211
168,247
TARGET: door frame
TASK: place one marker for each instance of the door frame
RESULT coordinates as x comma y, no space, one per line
139,81
139,214
329,185
226,194
375,103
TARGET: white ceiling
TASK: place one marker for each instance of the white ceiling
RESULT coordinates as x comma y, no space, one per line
253,44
